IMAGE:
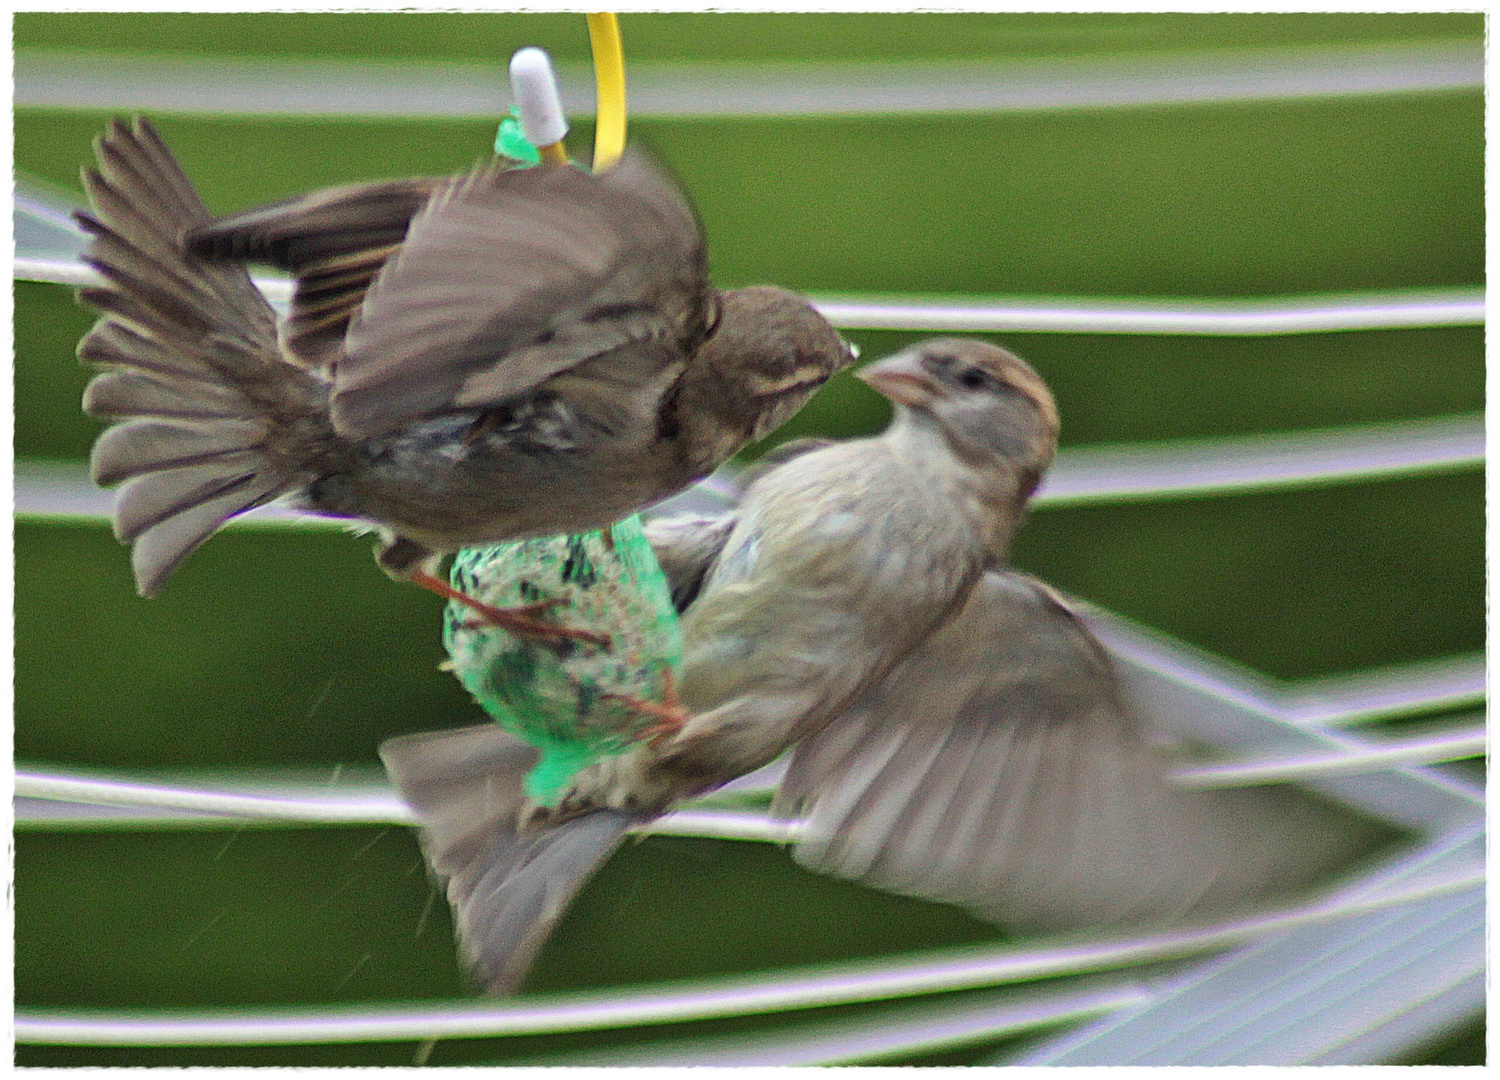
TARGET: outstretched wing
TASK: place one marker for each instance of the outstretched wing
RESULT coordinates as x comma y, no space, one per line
333,241
999,768
509,276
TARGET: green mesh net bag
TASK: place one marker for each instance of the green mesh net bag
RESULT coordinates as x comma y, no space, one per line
575,702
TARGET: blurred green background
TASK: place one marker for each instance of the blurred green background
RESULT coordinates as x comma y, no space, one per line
283,649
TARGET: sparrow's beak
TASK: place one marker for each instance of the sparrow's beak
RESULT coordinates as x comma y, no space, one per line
903,379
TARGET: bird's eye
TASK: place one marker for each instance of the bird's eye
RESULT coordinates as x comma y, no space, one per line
974,379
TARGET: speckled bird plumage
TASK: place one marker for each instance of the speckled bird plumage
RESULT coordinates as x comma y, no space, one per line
500,354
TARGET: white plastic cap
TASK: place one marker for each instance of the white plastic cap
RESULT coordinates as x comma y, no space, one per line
533,84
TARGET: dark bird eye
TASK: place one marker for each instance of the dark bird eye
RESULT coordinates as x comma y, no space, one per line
974,379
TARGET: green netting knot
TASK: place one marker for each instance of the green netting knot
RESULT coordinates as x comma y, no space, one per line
511,142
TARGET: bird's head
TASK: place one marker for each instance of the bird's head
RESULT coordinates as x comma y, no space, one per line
769,350
993,409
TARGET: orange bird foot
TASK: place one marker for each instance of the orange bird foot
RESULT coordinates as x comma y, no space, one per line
669,713
521,621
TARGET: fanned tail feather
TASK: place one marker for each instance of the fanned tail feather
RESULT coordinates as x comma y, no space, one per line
193,377
509,884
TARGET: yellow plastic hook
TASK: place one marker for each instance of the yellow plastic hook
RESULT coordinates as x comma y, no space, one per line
609,82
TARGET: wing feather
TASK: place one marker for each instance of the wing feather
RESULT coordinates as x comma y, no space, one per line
1000,767
686,546
334,241
510,276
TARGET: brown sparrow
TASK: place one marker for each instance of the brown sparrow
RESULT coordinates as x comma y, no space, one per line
502,354
999,765
838,563
841,561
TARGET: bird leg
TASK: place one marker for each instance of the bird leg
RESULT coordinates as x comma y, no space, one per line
538,608
669,713
522,621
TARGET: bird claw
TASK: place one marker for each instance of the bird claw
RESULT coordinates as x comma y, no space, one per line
669,713
537,816
525,611
573,803
520,621
541,607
